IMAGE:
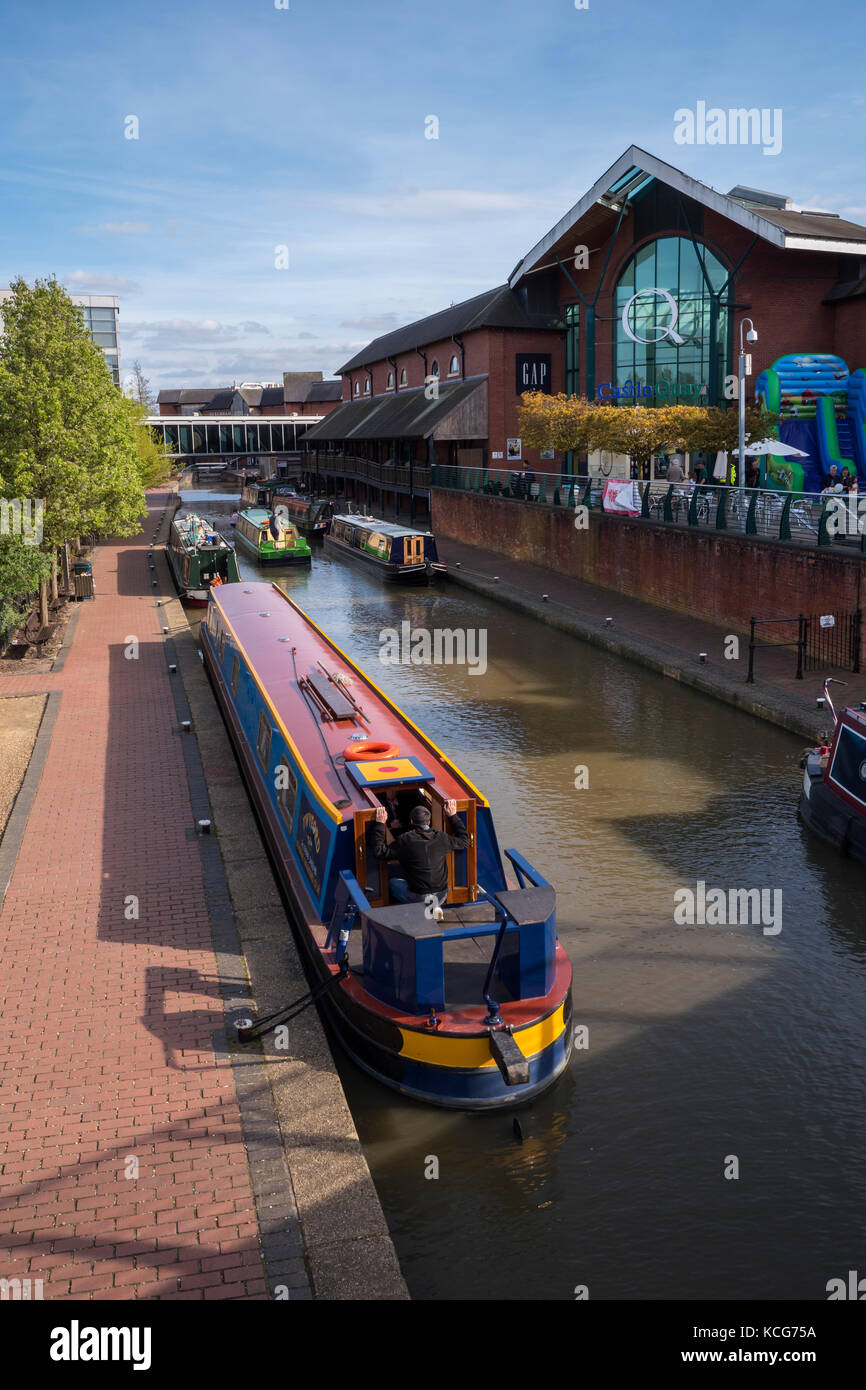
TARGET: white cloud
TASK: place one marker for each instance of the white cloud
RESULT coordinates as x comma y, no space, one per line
90,282
412,203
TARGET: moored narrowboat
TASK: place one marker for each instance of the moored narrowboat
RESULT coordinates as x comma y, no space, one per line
199,557
467,1006
833,795
395,552
254,537
311,515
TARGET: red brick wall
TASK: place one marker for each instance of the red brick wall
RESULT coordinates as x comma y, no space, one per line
721,579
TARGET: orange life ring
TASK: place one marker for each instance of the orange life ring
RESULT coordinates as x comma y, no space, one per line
368,750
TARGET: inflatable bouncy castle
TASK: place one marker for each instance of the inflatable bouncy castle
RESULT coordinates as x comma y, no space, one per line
822,410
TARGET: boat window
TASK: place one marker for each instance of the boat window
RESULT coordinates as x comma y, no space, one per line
235,673
263,742
287,793
222,645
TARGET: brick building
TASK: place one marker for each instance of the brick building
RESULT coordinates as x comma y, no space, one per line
643,283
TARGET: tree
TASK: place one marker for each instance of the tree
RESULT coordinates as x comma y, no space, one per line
66,433
154,464
23,568
139,389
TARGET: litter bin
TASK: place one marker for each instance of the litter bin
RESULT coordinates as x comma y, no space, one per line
82,579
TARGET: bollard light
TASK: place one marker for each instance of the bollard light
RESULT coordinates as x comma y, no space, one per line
185,726
165,629
820,702
544,598
204,827
608,622
496,579
702,658
172,669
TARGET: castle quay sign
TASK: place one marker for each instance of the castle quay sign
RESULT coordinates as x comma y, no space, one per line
663,390
533,372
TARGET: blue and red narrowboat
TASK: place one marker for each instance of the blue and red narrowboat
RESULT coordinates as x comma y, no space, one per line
833,795
468,1006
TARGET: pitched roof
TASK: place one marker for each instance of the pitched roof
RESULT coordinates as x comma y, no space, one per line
499,308
194,395
597,212
325,391
272,395
398,415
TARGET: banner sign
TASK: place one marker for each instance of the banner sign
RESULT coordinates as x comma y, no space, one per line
621,496
533,372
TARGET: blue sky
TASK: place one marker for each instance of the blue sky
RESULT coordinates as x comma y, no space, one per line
262,127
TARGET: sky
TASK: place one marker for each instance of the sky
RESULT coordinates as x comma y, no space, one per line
305,128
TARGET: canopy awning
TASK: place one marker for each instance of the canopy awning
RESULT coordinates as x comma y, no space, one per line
459,411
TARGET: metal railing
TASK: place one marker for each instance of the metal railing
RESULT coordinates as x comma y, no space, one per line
809,519
368,470
821,641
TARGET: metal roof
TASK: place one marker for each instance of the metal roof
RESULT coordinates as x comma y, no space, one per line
499,308
599,207
406,414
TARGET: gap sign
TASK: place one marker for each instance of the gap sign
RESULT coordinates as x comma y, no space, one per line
533,372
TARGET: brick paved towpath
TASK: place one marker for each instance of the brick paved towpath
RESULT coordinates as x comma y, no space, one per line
123,1167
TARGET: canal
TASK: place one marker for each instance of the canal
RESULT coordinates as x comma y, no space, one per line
709,1140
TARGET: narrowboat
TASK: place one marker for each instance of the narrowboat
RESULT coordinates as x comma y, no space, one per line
199,557
466,1006
395,552
311,515
833,795
253,536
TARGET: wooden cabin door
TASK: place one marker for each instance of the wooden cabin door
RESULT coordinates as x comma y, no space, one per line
463,883
413,550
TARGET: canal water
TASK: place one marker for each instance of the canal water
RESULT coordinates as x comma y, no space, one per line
710,1140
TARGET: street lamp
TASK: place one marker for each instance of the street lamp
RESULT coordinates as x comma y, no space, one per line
744,365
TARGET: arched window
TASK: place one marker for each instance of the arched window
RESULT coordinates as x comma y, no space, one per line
357,388
662,314
403,377
453,366
368,386
434,367
390,385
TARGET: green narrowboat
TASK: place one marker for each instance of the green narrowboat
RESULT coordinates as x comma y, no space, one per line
253,536
199,557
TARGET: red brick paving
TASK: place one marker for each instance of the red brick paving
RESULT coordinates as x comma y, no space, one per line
106,1061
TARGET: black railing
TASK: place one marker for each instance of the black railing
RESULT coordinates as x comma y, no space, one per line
829,639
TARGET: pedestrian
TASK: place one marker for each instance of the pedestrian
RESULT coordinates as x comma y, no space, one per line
422,853
675,470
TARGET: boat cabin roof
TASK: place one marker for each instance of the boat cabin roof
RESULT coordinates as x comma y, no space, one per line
260,516
387,528
318,700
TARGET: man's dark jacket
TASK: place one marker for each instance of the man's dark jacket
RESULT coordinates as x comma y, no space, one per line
422,853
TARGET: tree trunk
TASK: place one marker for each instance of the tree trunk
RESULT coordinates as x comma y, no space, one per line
43,602
67,567
54,577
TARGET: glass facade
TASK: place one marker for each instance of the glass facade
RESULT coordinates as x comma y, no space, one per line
572,349
101,323
686,371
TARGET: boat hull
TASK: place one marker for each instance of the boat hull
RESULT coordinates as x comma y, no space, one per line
279,560
392,574
827,815
408,1060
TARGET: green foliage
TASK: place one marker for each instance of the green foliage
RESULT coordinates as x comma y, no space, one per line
22,569
66,433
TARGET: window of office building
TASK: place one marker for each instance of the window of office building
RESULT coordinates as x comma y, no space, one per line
572,349
665,322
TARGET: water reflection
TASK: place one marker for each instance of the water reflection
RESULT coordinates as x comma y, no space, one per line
703,1042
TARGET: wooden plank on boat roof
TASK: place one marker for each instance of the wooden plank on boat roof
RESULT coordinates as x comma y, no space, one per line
331,696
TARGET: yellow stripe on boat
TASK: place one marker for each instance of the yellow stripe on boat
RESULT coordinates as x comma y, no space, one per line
425,738
474,1053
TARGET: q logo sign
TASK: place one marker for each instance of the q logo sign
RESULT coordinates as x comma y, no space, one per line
662,330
